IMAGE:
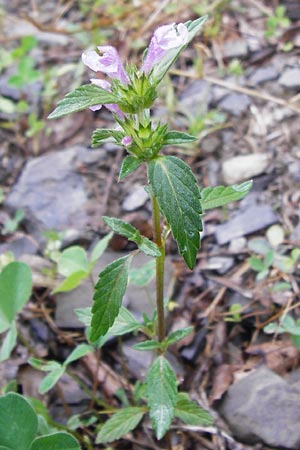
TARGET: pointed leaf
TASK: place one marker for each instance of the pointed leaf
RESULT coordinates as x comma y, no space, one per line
161,395
175,188
56,441
71,282
78,352
129,164
177,137
190,413
45,366
50,380
8,343
179,334
100,248
131,233
109,292
213,197
120,424
147,345
83,97
124,323
100,135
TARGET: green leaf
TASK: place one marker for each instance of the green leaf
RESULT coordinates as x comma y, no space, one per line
18,422
120,424
100,135
8,343
131,233
177,137
256,264
213,197
179,334
129,164
175,188
56,441
161,395
147,345
109,292
83,97
141,276
45,366
78,352
50,380
124,323
100,248
71,282
190,413
72,260
15,290
259,245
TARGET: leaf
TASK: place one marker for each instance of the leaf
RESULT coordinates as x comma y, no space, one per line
56,441
259,245
147,345
190,413
15,290
161,395
18,422
213,197
179,334
83,97
71,282
256,264
50,380
131,233
175,188
100,248
177,137
72,260
47,366
141,276
78,352
129,164
8,343
120,424
100,135
109,292
124,323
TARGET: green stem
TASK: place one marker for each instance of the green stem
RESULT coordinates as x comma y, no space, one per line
160,263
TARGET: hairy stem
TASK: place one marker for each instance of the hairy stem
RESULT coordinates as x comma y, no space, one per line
160,263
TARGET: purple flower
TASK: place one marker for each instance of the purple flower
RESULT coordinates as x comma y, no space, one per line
107,61
164,38
110,106
126,141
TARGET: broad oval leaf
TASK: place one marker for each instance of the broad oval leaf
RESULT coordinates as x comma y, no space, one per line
141,276
177,137
161,395
109,292
178,196
83,97
190,413
18,422
129,164
56,441
213,197
15,290
8,343
120,424
72,260
131,233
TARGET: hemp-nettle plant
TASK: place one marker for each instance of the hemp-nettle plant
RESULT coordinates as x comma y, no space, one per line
129,93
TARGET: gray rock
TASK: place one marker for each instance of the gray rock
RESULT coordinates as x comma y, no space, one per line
254,218
210,144
263,74
51,192
196,98
221,264
20,245
244,167
290,78
135,199
264,407
235,104
235,48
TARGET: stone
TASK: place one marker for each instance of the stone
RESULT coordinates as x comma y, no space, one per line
20,245
263,74
252,219
235,104
210,144
136,198
244,167
263,407
221,264
290,78
235,48
51,192
195,98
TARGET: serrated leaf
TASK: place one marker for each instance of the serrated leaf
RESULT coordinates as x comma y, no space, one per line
100,135
71,282
177,137
78,352
120,424
83,97
109,292
129,164
131,233
190,413
213,197
141,276
50,380
71,260
8,343
100,248
147,345
175,188
56,441
161,395
179,334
